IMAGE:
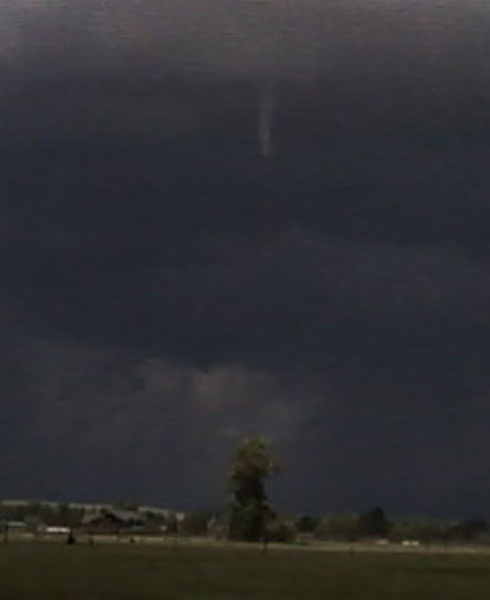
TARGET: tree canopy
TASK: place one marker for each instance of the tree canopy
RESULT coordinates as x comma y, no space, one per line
250,511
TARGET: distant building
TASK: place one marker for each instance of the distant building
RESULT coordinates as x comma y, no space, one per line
18,525
57,530
8,527
112,521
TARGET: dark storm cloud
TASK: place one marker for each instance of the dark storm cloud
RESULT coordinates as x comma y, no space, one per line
245,38
109,414
166,289
105,424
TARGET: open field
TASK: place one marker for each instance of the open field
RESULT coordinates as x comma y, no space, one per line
40,571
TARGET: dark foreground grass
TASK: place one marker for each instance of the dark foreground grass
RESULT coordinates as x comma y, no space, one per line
46,571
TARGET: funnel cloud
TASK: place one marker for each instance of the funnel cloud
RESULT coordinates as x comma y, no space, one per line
266,114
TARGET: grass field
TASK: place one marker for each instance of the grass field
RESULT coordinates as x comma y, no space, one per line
52,571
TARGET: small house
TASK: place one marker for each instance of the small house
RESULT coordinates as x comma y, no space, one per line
112,521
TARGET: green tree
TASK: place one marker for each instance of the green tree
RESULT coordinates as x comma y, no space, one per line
250,511
373,523
467,530
342,526
423,530
307,524
280,530
196,523
172,524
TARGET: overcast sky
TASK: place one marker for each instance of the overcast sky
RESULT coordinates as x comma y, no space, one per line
221,218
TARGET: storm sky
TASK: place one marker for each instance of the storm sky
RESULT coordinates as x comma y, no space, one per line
223,218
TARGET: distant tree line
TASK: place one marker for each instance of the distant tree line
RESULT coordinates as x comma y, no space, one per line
249,516
35,513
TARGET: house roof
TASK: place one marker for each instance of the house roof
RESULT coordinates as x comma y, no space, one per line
125,517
